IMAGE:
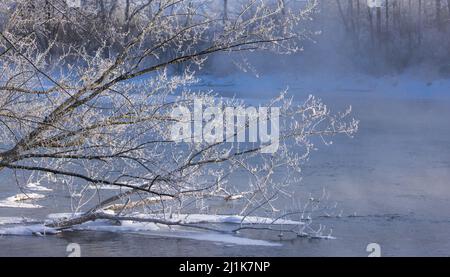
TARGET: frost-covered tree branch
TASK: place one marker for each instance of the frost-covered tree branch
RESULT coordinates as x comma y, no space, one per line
87,101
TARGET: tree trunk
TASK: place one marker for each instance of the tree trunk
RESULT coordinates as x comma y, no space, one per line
127,16
225,11
283,7
127,10
448,7
410,26
419,23
358,14
379,25
48,10
387,18
369,10
102,11
351,16
438,14
341,12
394,15
113,8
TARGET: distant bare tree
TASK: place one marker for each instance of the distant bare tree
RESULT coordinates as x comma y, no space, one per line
397,33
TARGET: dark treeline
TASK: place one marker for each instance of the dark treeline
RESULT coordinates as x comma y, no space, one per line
397,34
75,25
394,36
107,24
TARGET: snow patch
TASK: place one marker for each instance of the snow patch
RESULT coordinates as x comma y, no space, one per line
153,229
17,201
25,196
37,187
150,229
161,230
123,227
196,218
13,220
57,216
30,230
107,187
228,219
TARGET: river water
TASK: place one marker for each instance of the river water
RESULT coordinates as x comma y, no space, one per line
391,181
